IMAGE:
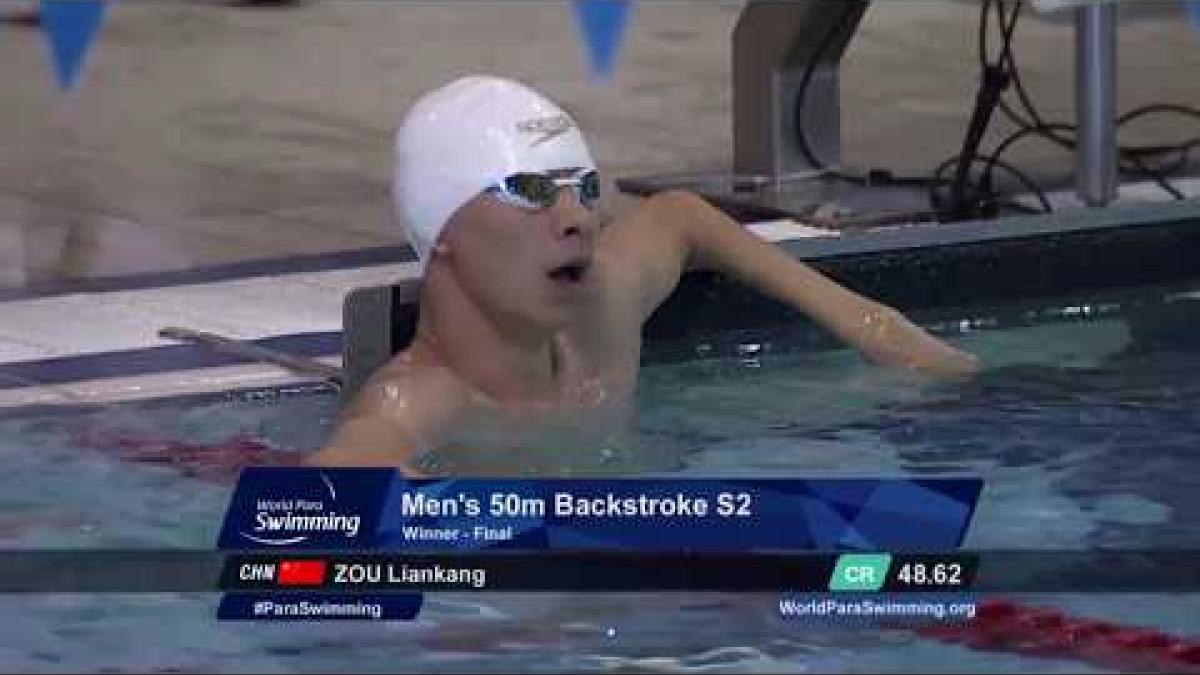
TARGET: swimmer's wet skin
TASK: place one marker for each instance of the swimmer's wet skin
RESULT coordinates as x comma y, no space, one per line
528,305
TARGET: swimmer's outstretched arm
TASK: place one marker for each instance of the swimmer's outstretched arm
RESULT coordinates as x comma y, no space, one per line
687,232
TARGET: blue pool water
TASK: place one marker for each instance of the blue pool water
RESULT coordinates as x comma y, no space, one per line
1084,427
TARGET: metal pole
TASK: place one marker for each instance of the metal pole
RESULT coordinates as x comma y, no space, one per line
786,84
1096,102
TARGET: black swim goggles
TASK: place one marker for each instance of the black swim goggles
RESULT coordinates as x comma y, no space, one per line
540,190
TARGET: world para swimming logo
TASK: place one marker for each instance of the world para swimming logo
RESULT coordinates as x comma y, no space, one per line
291,521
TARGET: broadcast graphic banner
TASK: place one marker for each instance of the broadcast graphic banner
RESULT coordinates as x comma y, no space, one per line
1035,571
600,571
286,508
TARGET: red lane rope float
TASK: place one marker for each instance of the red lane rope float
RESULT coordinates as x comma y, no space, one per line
219,462
1005,626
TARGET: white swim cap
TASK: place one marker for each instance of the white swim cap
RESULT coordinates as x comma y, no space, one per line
468,135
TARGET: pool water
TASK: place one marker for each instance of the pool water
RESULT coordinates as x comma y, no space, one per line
1084,428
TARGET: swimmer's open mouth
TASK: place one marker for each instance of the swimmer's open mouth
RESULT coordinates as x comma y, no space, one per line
572,272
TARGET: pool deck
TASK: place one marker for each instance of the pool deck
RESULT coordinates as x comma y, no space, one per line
216,171
121,356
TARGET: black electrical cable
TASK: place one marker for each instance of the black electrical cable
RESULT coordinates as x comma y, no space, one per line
1130,156
1133,152
1184,149
1133,158
1158,108
1132,162
961,203
1158,178
987,196
1026,132
1010,60
801,136
994,80
873,177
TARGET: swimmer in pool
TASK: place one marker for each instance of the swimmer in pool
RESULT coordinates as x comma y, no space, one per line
532,308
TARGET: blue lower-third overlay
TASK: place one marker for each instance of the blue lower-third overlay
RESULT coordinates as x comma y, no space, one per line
319,607
288,508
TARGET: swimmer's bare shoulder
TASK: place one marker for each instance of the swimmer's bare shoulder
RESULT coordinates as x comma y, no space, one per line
402,410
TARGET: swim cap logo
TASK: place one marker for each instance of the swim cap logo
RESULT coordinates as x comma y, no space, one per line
286,522
549,128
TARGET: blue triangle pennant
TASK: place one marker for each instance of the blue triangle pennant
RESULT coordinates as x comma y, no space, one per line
603,24
70,27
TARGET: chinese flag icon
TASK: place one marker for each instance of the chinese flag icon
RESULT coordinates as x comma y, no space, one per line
301,572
